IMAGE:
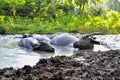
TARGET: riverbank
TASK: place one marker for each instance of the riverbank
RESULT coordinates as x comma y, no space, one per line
71,23
83,65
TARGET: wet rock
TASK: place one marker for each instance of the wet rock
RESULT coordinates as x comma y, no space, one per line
69,72
76,64
42,62
18,73
116,78
1,72
8,74
86,65
29,77
45,76
27,69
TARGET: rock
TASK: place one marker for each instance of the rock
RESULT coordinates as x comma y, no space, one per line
95,66
27,69
18,73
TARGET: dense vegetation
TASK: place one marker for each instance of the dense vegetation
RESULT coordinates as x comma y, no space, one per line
51,16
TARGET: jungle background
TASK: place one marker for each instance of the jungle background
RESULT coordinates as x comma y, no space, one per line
53,16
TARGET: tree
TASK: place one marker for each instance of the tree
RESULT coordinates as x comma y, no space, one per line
13,4
53,9
81,4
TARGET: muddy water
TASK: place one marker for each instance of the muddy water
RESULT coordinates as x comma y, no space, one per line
11,55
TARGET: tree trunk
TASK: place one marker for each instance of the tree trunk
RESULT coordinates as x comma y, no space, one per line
53,10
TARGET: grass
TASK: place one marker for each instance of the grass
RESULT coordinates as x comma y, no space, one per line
108,23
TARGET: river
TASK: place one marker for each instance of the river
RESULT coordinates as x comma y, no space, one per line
11,55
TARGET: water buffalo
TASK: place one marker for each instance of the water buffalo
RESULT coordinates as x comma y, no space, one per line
63,40
34,44
86,42
42,38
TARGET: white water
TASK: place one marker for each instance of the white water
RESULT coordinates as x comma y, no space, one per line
110,41
11,55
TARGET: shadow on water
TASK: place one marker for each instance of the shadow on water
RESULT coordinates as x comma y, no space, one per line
11,55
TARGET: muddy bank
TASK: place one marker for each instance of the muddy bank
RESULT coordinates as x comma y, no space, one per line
84,65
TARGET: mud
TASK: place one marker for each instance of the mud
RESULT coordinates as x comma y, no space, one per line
82,65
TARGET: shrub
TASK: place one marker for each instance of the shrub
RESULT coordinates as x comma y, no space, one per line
2,30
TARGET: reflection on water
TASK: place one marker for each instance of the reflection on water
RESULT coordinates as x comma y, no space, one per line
11,55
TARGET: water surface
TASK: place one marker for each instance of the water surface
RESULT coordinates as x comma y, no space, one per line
11,55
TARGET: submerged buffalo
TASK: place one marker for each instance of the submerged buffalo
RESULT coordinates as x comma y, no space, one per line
39,42
33,44
42,38
86,42
63,40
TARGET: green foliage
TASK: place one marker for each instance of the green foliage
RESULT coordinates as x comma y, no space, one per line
64,8
81,3
52,16
11,5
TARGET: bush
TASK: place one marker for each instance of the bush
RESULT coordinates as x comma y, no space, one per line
2,30
97,9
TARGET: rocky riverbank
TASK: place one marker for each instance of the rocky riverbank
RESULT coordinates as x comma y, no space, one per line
83,65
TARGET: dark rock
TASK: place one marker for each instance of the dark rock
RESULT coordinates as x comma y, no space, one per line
18,73
29,77
27,68
69,72
1,72
76,64
95,66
